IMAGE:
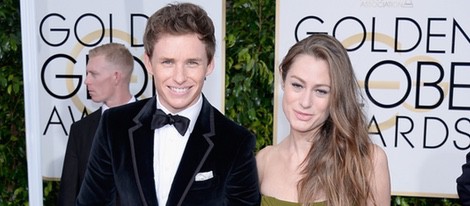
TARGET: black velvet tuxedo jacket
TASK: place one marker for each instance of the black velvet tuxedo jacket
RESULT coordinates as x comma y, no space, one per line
121,161
76,157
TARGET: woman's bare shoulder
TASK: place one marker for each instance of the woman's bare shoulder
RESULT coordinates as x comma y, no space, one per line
262,159
264,153
378,154
380,176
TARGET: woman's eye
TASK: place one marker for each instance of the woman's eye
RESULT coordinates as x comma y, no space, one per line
322,91
295,85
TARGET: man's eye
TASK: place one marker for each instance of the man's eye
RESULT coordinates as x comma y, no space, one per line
193,63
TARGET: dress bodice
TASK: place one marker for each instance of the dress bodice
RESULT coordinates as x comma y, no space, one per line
271,201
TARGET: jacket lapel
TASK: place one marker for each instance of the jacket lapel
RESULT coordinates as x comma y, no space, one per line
195,154
141,139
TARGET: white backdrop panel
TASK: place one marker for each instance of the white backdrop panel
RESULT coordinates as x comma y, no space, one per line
411,59
65,31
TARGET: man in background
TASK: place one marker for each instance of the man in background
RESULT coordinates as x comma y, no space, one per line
108,74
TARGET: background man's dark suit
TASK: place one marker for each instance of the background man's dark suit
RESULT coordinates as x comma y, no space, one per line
76,157
122,160
463,183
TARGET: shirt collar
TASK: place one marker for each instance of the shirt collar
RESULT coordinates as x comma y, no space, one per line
104,107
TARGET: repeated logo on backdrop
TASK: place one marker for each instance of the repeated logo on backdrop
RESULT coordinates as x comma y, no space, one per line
411,60
63,73
425,78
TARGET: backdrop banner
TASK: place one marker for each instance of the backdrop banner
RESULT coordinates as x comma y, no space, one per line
412,61
65,31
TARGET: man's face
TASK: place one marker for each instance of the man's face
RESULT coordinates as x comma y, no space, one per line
179,65
100,79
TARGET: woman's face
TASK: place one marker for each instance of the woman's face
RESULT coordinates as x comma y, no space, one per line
306,93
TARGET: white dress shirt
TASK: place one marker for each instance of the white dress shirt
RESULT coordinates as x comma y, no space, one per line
168,150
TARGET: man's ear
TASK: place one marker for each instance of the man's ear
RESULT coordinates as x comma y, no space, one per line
148,63
210,67
282,81
117,77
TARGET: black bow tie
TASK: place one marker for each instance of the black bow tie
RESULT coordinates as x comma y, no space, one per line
161,119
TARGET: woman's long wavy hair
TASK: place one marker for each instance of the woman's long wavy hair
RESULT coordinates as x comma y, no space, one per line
339,163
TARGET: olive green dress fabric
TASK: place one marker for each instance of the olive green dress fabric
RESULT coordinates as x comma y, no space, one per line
271,201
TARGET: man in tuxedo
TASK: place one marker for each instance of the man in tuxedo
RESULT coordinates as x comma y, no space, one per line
108,74
174,148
